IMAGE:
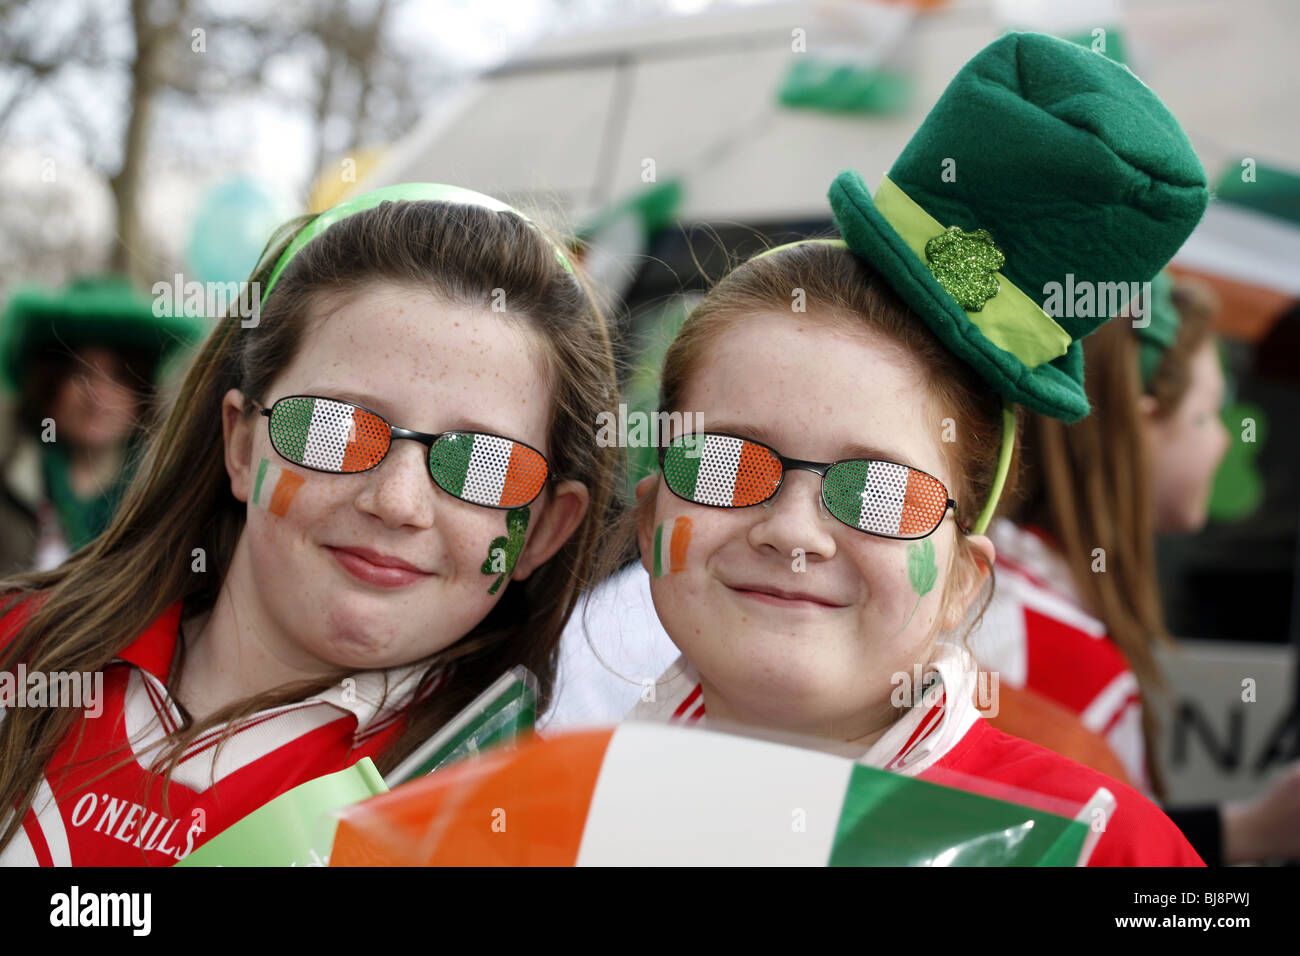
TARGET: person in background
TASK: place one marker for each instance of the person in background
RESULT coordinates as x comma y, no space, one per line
81,363
1074,648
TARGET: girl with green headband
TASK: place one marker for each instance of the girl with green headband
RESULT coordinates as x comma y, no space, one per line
360,512
818,551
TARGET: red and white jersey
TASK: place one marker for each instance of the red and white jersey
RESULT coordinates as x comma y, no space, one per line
1037,636
944,739
122,819
912,744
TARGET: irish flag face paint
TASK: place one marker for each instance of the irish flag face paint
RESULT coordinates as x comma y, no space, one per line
674,542
274,487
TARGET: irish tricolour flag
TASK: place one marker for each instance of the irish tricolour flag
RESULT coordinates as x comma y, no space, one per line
487,470
655,794
328,436
727,472
885,498
274,487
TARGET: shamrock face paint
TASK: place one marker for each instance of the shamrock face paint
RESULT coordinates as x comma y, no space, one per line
679,539
922,572
274,487
503,552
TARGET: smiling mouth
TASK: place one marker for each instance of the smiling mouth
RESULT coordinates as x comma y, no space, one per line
781,598
381,570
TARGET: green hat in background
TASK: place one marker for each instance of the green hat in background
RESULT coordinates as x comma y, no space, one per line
1160,333
104,310
1042,163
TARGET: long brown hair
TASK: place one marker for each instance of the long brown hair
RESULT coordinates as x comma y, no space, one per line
1089,484
840,287
88,610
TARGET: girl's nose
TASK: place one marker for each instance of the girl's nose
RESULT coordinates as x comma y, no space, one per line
795,518
400,491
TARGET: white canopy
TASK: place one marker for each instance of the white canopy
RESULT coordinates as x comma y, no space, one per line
566,127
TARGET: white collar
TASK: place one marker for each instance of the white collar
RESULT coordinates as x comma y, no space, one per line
374,696
915,742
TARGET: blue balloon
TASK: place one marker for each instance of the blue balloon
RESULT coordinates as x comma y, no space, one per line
235,218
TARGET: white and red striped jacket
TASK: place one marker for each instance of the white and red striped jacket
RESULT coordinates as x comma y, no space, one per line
122,818
1037,636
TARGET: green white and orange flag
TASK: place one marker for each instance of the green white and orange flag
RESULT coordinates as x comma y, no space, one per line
274,487
726,471
488,470
886,498
328,436
654,794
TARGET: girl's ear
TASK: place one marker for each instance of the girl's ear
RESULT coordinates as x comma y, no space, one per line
237,432
970,568
1147,407
559,519
646,491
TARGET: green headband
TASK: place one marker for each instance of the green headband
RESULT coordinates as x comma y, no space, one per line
1159,331
412,192
1008,410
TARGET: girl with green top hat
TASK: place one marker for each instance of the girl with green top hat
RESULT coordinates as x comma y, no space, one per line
81,363
358,515
826,533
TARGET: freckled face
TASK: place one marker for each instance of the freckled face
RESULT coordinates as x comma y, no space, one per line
819,662
425,365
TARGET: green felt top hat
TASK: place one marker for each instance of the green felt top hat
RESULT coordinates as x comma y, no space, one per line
103,310
1042,163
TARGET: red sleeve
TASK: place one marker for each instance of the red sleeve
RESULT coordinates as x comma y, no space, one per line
1137,833
12,620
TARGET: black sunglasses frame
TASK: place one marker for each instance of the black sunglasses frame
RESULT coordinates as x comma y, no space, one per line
424,438
819,468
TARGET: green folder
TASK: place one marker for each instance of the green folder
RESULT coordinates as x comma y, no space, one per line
294,829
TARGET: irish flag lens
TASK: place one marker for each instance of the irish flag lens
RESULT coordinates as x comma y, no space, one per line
487,470
721,471
327,435
881,497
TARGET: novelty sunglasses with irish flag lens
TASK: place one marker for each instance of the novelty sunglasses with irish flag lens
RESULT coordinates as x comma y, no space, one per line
882,498
341,438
